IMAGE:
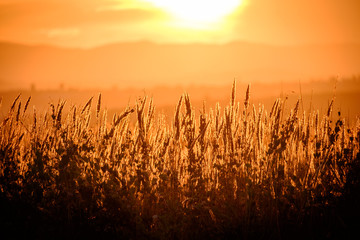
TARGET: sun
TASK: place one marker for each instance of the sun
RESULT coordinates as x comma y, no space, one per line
197,13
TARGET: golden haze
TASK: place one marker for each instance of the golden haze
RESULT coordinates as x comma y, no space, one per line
142,44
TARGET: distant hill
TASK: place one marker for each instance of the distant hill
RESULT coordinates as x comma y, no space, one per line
145,64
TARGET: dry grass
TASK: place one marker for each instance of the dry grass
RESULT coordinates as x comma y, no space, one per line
238,171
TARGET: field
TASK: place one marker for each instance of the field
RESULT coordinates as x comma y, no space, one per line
219,172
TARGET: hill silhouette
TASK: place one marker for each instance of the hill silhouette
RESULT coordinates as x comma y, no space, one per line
146,64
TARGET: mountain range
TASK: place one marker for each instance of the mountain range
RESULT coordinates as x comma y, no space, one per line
146,64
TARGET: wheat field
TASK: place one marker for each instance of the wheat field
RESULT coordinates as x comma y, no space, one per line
235,171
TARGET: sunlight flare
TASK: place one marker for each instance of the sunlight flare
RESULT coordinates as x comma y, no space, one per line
199,13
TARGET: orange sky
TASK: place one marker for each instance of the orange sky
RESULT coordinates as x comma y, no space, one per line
88,23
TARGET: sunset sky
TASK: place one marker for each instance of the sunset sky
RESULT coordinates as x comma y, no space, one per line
89,23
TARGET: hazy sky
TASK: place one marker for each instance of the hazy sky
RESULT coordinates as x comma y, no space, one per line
86,23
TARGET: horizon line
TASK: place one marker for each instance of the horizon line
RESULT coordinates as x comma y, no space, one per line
173,43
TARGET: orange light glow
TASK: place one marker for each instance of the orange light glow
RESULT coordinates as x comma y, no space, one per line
197,14
146,43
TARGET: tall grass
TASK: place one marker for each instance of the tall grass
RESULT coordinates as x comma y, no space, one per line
237,171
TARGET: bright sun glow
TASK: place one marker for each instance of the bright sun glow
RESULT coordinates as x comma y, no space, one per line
197,12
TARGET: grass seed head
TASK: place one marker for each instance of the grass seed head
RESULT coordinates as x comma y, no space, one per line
98,107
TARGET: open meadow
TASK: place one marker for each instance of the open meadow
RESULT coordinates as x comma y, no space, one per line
227,171
177,120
